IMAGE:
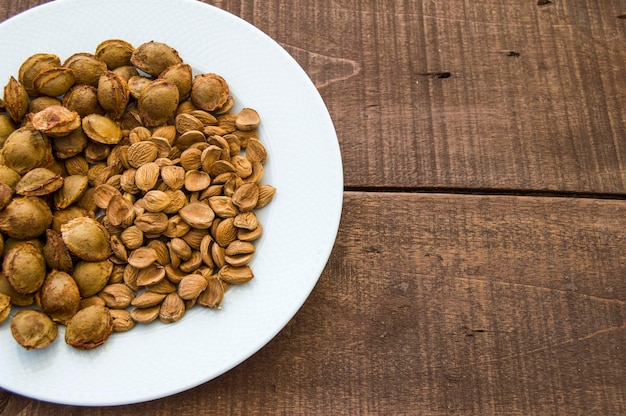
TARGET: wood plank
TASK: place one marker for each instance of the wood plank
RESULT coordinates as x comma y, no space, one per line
457,94
441,304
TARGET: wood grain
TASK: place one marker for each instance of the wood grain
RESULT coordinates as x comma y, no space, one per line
477,305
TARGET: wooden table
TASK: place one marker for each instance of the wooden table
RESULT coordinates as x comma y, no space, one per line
480,264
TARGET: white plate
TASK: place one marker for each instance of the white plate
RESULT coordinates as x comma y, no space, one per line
300,225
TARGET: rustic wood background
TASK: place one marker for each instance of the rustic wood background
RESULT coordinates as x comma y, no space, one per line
480,265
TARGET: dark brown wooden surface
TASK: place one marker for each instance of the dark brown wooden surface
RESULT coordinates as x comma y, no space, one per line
480,265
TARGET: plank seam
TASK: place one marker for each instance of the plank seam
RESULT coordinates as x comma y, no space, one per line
487,192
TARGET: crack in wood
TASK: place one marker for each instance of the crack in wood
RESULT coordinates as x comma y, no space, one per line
436,75
485,192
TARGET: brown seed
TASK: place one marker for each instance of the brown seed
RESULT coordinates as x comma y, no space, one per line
147,299
246,197
33,329
209,91
152,222
83,99
178,199
173,274
154,57
191,286
103,194
56,121
180,248
39,182
74,186
243,166
205,251
127,181
118,248
226,232
142,257
197,215
59,296
196,180
41,102
86,238
55,252
220,167
117,295
122,321
186,122
5,306
33,65
102,129
181,75
235,275
15,99
150,275
194,237
176,227
89,328
26,149
70,145
246,220
164,148
173,176
223,206
189,138
92,276
213,294
147,176
136,85
113,94
54,82
120,211
9,177
248,119
218,255
158,102
17,299
24,267
156,201
86,68
172,308
77,165
132,237
239,253
145,315
90,301
190,159
115,52
191,265
255,151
